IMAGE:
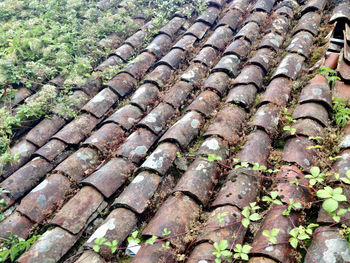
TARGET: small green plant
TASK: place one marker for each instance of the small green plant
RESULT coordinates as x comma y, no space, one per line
221,252
242,251
329,74
345,180
341,111
315,176
151,240
99,242
166,232
2,202
271,235
134,237
166,245
332,197
300,234
290,129
249,214
272,198
221,217
214,157
291,206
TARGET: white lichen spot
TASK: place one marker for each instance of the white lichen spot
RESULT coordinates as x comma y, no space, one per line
41,186
307,162
317,91
98,98
212,144
195,123
94,140
102,230
336,248
141,150
269,248
138,179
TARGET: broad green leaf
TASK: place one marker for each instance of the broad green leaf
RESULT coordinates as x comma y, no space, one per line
293,242
255,217
330,205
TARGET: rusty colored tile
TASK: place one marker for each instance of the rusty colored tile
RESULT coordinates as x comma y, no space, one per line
313,111
117,226
267,117
176,214
184,130
77,130
263,58
20,95
242,95
78,163
327,246
220,38
256,149
240,189
280,25
228,124
295,152
90,257
250,32
264,5
198,30
207,56
218,230
159,45
275,220
101,103
58,81
194,74
43,131
240,5
213,145
340,12
278,92
289,67
173,58
250,74
145,96
285,10
75,214
319,93
123,84
199,180
145,185
319,79
126,116
313,5
80,98
159,76
155,253
216,3
341,90
106,138
301,43
256,17
173,26
343,68
51,149
309,22
137,39
45,197
271,40
232,18
157,119
342,165
50,247
110,177
239,47
228,64
187,41
218,81
124,52
202,252
136,146
23,180
178,93
209,16
140,65
205,103
345,140
161,159
92,85
109,62
261,260
307,127
15,224
23,151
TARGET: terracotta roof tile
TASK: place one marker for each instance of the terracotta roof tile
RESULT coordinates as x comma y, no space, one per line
228,19
242,95
278,92
209,17
145,95
173,26
218,81
51,150
313,111
267,117
174,57
155,254
264,5
124,52
16,224
250,74
239,47
101,103
205,103
206,56
126,116
178,93
159,45
140,65
249,32
160,75
198,29
228,64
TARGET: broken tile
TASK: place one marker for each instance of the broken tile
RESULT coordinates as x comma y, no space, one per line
159,76
228,64
176,214
45,197
123,84
43,131
313,111
184,130
106,138
126,116
78,163
205,103
228,124
110,176
75,214
157,119
161,159
242,95
145,96
218,81
145,185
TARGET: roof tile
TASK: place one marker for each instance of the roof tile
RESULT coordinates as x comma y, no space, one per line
278,92
228,64
205,103
198,30
220,38
157,253
137,39
271,40
264,5
51,149
309,22
194,74
341,11
203,250
232,18
172,26
209,17
313,5
285,10
126,116
187,41
145,95
159,76
213,145
206,56
307,127
280,25
242,95
240,5
218,81
111,61
239,47
174,57
159,45
263,58
289,67
343,68
90,257
256,17
251,74
16,224
250,32
319,93
124,52
101,103
140,65
301,43
267,117
313,111
123,84
178,93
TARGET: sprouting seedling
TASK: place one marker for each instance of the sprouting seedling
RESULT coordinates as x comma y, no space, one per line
301,233
213,157
242,251
221,251
134,237
98,243
151,240
347,179
166,245
221,217
291,130
332,197
166,232
271,235
272,198
315,176
291,206
329,74
249,214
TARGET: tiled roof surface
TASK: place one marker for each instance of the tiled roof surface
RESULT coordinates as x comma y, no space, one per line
214,84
